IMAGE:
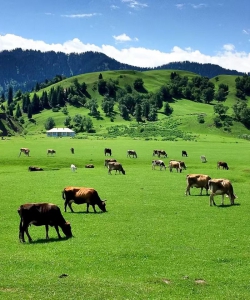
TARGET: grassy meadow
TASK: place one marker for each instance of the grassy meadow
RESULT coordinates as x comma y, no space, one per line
153,243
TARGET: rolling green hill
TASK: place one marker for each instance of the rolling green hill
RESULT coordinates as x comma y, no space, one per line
184,116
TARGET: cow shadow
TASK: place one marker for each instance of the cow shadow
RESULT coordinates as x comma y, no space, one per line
47,241
88,213
228,205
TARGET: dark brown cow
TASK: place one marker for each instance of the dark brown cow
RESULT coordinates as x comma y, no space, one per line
33,168
81,195
184,153
162,153
40,214
89,166
115,166
107,161
107,151
155,152
72,150
174,164
159,163
223,165
198,181
221,187
26,151
51,151
131,153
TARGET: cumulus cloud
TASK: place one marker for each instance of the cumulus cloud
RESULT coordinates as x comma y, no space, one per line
123,38
201,5
228,57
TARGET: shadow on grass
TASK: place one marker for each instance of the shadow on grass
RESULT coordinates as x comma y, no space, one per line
227,205
45,241
87,213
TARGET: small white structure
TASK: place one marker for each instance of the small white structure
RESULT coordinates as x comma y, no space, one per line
60,132
73,168
203,159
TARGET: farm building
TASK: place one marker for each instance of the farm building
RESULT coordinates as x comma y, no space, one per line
60,132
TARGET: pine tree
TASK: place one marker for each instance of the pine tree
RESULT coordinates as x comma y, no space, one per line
10,96
29,112
18,111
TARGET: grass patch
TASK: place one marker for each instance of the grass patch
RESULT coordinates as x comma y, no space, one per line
153,243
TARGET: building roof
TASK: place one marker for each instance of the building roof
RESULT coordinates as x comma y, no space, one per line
60,130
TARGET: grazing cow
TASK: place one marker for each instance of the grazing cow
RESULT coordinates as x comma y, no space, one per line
89,166
51,151
32,168
106,161
72,150
131,153
26,151
40,214
107,151
174,164
162,153
203,159
155,152
182,164
115,166
73,168
159,163
81,195
184,153
221,187
198,181
223,165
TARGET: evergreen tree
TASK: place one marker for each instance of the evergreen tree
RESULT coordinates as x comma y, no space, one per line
10,96
138,113
50,123
29,112
18,111
167,109
35,104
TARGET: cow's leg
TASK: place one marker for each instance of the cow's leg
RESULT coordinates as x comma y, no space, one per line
47,231
188,190
212,200
93,205
87,207
21,232
57,231
25,228
201,191
70,206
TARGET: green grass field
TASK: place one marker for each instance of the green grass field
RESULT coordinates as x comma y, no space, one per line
153,243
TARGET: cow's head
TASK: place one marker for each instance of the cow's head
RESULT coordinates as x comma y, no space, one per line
102,205
67,230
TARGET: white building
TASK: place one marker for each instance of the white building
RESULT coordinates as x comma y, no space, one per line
60,132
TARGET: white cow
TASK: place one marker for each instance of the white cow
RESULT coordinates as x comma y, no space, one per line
73,168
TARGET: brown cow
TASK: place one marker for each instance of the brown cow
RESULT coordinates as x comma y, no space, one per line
89,166
107,151
51,151
198,181
223,165
106,161
26,151
174,164
221,187
33,168
81,195
115,166
162,153
155,152
131,153
40,214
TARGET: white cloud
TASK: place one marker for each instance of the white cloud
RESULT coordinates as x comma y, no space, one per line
227,58
246,31
81,15
180,5
201,5
135,4
123,38
114,7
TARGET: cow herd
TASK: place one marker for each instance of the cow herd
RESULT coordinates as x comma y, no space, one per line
48,214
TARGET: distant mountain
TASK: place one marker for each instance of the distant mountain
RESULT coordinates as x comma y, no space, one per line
22,69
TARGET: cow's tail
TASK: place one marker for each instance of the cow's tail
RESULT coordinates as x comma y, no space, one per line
63,195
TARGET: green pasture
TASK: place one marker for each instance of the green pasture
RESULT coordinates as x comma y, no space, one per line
153,243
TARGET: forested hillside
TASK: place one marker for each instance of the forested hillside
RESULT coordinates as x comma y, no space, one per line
22,69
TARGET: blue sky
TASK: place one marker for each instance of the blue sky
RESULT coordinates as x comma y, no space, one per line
146,33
